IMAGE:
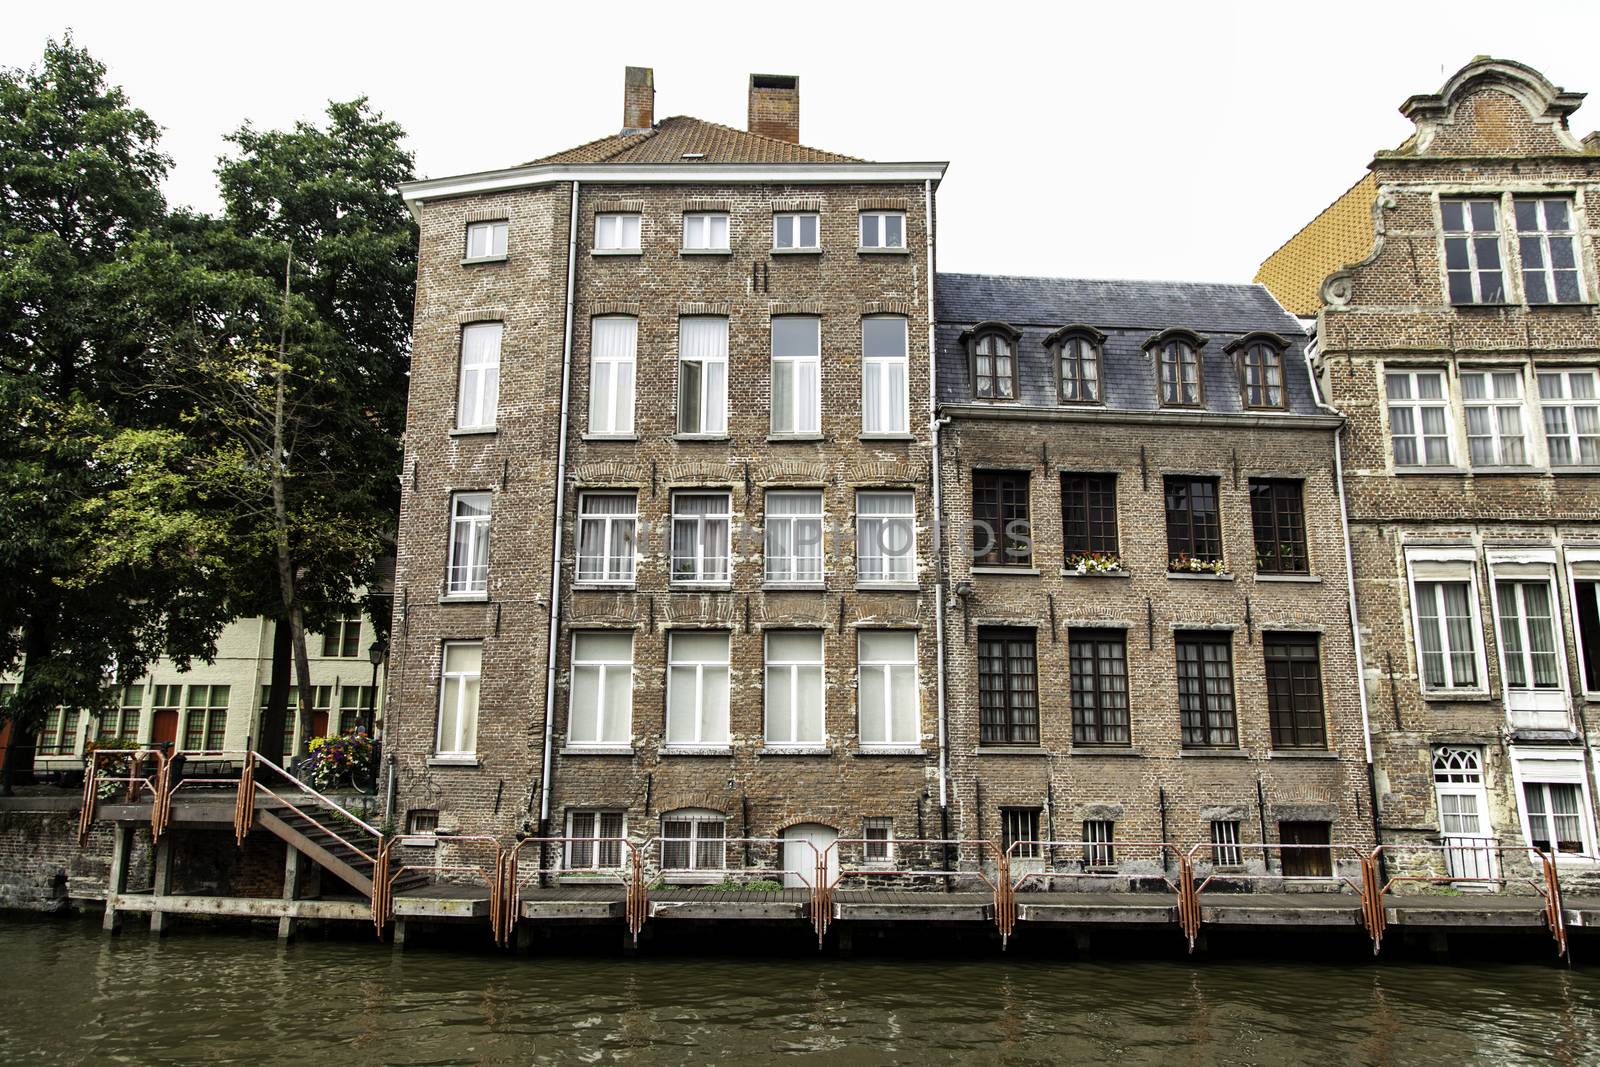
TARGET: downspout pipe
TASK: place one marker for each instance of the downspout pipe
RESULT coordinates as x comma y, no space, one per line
557,539
1350,591
935,423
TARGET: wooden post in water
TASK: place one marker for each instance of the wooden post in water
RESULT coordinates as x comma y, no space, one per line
162,887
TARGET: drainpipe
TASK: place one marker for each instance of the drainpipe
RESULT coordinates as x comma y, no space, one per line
556,530
1350,590
934,425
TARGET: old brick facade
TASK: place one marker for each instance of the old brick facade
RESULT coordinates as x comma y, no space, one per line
1463,351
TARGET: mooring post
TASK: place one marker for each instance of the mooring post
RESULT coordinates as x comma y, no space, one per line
291,890
162,886
117,879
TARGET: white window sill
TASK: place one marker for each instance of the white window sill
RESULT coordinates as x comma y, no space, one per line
794,750
1290,579
883,251
1213,753
891,750
473,431
1200,576
695,750
610,437
596,750
705,251
814,250
781,438
1437,468
700,437
1303,753
895,436
591,876
1521,468
616,251
473,261
1007,570
607,587
693,877
465,598
1011,750
1065,573
1574,468
1475,695
1105,750
888,587
701,587
461,760
794,587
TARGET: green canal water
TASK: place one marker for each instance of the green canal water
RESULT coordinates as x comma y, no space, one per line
69,995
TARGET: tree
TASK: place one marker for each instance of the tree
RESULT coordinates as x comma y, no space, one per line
81,171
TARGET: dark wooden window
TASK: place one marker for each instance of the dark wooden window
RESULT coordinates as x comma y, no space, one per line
1001,533
1008,689
1098,661
1179,362
1089,513
1078,370
1194,529
1294,691
1308,855
422,821
994,367
1277,512
1020,827
1205,690
1588,596
1261,375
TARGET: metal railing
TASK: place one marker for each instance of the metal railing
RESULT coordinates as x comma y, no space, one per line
101,767
1547,886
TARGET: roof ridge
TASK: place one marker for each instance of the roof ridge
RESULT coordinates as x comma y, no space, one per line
1126,281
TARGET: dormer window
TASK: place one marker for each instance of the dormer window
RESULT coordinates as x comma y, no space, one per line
1077,353
1259,360
1177,355
994,361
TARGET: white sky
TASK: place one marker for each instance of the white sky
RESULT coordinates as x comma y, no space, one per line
1140,139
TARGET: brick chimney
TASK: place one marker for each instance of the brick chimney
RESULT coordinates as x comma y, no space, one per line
638,99
775,106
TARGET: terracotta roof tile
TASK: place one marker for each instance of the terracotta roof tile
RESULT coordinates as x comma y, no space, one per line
671,139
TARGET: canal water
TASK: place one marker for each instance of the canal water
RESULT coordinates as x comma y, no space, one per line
69,995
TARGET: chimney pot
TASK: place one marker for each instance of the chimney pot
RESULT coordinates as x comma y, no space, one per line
638,99
775,106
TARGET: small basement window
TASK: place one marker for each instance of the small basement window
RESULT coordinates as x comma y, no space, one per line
422,820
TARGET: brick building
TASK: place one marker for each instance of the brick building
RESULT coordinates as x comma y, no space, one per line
1152,638
660,383
1454,292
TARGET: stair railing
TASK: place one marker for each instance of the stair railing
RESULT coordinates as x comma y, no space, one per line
367,852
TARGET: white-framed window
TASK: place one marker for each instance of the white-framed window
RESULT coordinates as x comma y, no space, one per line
607,537
596,840
487,240
1570,402
469,544
1547,244
886,538
693,839
885,388
883,229
1532,652
702,374
1419,417
886,688
794,709
794,536
613,353
796,230
1555,816
1583,578
697,689
705,231
478,388
458,698
600,704
1464,813
1444,600
700,532
796,374
1496,429
1472,258
877,833
616,231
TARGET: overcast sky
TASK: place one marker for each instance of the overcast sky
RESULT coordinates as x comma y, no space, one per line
1141,140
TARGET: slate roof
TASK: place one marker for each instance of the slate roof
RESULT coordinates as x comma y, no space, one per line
670,139
1130,313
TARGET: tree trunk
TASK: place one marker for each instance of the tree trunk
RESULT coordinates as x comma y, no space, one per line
27,714
275,715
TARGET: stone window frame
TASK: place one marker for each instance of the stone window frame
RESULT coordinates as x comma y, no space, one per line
1012,337
1567,403
1583,565
1454,435
1532,443
1508,237
1474,271
1096,341
1573,234
1428,564
1530,566
1154,350
1260,340
1554,766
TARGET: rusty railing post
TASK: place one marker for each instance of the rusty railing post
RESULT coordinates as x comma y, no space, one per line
1373,914
1188,900
380,886
86,812
244,804
1004,898
1554,913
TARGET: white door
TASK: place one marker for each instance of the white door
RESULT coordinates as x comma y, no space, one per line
802,845
1464,815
